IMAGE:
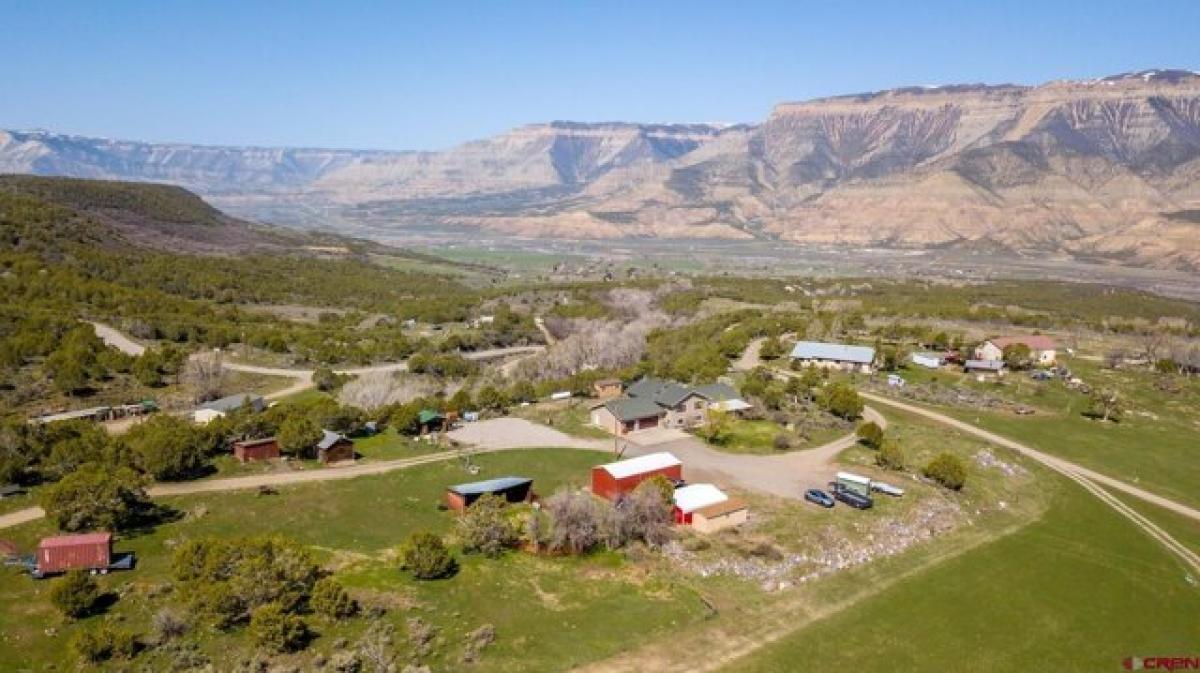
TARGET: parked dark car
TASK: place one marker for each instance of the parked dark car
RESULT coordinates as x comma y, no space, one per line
849,497
818,497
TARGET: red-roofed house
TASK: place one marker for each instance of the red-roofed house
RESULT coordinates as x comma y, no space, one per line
1042,349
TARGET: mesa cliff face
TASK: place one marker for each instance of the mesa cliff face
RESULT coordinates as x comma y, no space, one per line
1106,168
1089,168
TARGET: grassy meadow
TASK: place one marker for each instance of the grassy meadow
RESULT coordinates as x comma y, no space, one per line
1077,590
539,606
1156,445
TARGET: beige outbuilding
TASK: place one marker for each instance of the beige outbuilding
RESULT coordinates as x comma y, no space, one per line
727,514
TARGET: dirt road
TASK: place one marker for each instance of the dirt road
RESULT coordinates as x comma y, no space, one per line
750,358
302,378
721,643
112,337
299,477
21,516
541,325
1057,464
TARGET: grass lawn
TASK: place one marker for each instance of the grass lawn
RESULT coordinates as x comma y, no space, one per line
387,445
1183,529
569,416
390,445
304,396
757,437
1078,590
15,502
548,612
1155,445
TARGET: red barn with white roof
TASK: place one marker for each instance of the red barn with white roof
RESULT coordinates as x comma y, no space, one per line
614,480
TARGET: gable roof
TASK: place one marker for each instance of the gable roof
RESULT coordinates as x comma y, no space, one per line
254,442
1036,342
667,393
490,485
632,408
717,392
722,508
814,350
328,439
72,540
698,496
660,391
234,402
428,416
641,464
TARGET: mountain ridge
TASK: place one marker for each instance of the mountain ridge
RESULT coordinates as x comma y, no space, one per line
1087,168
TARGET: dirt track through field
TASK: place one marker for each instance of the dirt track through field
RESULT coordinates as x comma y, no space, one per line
298,477
1053,462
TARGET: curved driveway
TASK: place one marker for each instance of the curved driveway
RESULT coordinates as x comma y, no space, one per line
784,475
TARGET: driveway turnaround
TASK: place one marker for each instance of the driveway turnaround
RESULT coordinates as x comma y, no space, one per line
785,475
518,433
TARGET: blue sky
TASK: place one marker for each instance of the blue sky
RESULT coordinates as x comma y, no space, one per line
429,75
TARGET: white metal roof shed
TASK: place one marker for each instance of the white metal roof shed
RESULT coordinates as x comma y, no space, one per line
698,496
647,463
813,350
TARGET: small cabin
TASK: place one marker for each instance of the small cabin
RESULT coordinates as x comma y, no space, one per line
607,388
510,489
247,450
334,448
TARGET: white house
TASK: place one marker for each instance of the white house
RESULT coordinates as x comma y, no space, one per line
927,360
834,356
209,411
1042,349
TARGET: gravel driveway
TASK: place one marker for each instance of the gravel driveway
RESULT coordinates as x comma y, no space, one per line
513,433
785,475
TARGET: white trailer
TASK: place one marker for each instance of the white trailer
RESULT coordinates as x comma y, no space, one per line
855,482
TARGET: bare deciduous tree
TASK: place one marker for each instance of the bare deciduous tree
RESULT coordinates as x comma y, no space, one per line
378,389
376,648
1153,342
647,515
593,344
204,376
574,515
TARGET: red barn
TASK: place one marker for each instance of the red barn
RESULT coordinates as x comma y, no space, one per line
89,551
256,449
614,480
